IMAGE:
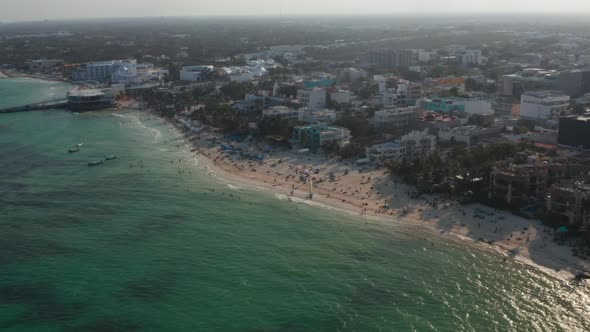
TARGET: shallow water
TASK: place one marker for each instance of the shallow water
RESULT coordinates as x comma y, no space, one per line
148,242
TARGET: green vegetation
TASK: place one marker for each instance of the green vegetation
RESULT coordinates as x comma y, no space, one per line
348,151
236,91
460,171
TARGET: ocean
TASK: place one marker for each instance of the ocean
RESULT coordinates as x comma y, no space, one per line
151,242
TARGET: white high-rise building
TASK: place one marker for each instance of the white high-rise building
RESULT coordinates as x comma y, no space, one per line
470,57
102,71
313,99
543,105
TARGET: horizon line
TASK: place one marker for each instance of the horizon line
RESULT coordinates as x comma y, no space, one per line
287,16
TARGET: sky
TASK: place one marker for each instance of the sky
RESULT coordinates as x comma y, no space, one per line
33,10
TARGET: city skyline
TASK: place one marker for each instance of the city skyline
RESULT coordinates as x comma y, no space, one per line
34,10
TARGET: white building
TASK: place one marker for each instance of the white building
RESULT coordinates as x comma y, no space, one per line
313,99
543,105
101,71
475,106
324,116
195,73
395,117
260,101
409,91
341,97
353,74
470,57
386,151
419,144
381,81
416,144
387,98
426,56
466,134
318,135
283,112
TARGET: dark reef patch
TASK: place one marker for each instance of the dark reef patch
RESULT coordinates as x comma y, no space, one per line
43,305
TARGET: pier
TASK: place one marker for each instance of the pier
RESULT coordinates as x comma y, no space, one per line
45,105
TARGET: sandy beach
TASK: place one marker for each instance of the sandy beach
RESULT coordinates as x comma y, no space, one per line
10,73
376,195
373,194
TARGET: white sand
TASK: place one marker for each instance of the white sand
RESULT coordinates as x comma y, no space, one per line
386,200
515,237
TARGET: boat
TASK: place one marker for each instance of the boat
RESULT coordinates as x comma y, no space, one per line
110,157
96,163
74,149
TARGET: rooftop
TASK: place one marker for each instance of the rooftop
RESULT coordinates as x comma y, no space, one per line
86,92
545,94
393,144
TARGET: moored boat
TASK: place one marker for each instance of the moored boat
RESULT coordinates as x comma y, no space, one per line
110,157
96,163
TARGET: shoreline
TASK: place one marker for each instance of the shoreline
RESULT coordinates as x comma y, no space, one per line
11,73
383,199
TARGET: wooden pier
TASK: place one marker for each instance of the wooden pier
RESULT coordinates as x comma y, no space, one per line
45,105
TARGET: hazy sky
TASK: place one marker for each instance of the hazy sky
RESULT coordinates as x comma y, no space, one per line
18,10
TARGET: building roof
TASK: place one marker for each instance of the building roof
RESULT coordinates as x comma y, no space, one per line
86,92
545,94
392,144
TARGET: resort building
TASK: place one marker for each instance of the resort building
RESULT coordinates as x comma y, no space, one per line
312,98
436,122
529,79
395,117
437,86
195,73
255,102
324,116
283,112
469,135
570,201
353,74
543,105
460,105
504,105
524,183
408,93
470,57
393,58
341,97
387,151
419,144
254,69
101,71
416,144
315,136
518,184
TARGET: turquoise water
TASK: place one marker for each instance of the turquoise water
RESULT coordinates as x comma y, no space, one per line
148,242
